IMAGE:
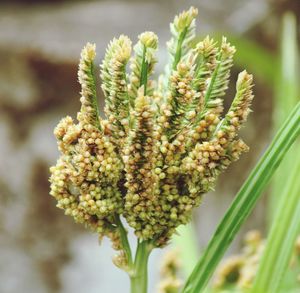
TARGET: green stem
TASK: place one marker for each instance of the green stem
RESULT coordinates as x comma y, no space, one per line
124,240
95,100
213,79
179,48
144,71
139,277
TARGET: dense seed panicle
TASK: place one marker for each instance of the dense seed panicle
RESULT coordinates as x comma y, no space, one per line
161,146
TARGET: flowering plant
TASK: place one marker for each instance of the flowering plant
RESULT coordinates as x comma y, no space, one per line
162,144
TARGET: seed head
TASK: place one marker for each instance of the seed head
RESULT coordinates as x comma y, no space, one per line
161,145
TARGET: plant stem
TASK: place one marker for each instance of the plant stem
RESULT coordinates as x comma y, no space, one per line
139,277
179,48
124,240
144,71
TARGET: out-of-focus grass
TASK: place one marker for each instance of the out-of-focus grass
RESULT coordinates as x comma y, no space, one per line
281,239
284,207
286,96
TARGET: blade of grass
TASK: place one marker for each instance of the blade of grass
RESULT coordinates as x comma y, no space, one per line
286,96
281,240
244,203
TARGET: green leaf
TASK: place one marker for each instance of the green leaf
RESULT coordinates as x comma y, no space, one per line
244,203
281,240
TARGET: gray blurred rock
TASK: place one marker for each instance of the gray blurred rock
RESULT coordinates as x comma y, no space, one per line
61,30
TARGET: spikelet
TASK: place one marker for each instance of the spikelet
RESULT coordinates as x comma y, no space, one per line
209,158
239,271
239,110
211,125
205,60
142,65
89,113
114,85
183,32
229,272
218,83
180,96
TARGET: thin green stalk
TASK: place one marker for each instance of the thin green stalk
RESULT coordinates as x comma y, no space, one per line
281,241
244,203
144,71
94,100
124,240
139,277
212,82
179,48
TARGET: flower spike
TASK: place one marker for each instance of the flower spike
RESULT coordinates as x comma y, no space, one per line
89,113
183,32
114,86
142,64
161,146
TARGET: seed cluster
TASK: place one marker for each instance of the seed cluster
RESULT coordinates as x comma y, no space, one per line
161,146
86,177
114,86
140,157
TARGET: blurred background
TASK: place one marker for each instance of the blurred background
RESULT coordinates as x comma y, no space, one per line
41,250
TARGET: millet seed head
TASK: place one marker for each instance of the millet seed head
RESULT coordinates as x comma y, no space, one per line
161,146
